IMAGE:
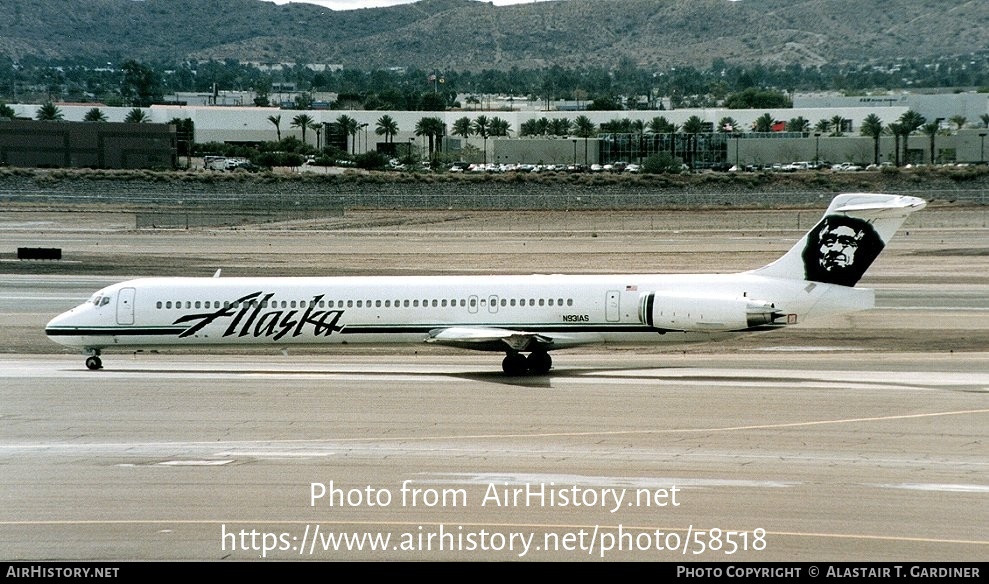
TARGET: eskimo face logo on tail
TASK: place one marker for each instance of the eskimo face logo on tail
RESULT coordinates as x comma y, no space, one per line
840,249
248,317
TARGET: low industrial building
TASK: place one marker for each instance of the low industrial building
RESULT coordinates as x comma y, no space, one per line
252,125
67,144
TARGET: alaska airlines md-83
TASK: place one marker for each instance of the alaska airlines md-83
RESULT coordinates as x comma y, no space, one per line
524,316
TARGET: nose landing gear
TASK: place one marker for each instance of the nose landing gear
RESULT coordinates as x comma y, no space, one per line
93,362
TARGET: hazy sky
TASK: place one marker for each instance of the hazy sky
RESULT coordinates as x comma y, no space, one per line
354,4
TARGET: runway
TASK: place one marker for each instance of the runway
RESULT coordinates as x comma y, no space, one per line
618,455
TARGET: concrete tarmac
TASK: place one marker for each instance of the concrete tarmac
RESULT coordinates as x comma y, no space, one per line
818,456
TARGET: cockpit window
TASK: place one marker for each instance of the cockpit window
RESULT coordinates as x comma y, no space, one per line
100,300
105,301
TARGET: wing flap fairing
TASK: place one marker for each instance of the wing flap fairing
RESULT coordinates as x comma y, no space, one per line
490,339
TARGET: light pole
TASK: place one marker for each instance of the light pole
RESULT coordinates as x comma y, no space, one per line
817,149
982,147
575,151
736,137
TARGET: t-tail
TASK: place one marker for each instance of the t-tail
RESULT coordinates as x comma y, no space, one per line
841,247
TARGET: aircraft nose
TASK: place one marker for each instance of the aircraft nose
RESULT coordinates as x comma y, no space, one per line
60,327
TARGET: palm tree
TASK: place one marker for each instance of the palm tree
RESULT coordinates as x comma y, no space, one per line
764,123
277,121
798,124
873,127
94,115
692,127
303,122
985,120
823,126
500,127
529,128
931,129
959,121
137,116
910,121
558,126
432,128
837,122
482,128
318,128
463,127
584,129
727,125
639,127
386,127
49,112
6,111
896,129
348,126
660,125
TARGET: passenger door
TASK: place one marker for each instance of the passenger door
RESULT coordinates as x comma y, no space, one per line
125,306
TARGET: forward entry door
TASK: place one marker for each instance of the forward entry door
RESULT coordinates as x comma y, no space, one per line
125,306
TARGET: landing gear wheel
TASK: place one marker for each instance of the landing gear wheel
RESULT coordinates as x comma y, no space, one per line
539,362
515,364
94,363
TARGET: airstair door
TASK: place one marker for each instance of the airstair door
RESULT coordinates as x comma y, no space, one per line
125,306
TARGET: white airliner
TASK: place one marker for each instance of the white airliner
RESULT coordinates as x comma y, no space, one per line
524,316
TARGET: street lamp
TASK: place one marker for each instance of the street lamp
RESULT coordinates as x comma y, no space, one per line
817,149
575,151
736,137
982,147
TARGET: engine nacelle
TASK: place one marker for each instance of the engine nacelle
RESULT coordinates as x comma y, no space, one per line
705,313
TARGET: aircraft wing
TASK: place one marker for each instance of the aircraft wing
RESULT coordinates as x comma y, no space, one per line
491,339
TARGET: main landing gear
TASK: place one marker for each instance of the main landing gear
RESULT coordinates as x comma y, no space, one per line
93,362
537,363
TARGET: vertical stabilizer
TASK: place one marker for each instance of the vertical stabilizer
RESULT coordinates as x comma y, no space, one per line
842,246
